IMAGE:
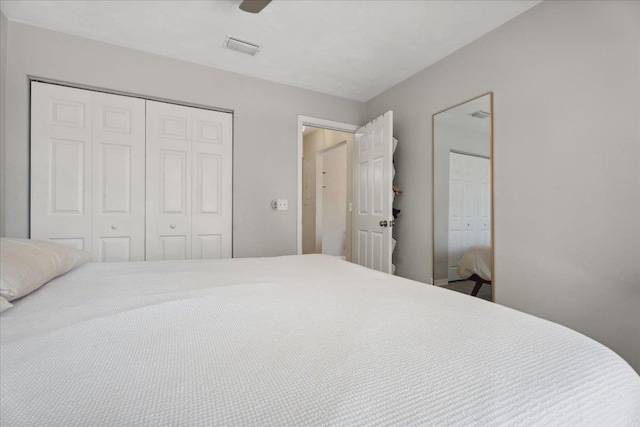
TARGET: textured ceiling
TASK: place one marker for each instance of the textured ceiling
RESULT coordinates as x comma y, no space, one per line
354,49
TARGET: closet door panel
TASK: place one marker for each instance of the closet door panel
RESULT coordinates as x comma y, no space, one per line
61,150
118,178
66,163
174,247
209,246
212,184
115,249
168,179
485,200
173,182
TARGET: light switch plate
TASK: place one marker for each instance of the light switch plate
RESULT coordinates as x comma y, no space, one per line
280,205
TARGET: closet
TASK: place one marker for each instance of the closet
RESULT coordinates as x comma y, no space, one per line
129,179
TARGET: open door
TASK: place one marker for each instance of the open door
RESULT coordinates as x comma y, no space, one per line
373,193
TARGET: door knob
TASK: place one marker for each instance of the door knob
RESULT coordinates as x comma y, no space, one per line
383,223
392,223
172,226
114,227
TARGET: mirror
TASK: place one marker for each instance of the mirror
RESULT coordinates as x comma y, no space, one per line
462,139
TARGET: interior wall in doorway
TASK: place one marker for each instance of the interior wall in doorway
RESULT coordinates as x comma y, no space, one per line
331,201
312,143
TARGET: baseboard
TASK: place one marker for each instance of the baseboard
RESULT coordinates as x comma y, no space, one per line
441,282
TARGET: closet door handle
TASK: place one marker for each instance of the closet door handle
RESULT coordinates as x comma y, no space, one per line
114,227
172,226
383,223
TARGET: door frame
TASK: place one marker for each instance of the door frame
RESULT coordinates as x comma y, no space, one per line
319,123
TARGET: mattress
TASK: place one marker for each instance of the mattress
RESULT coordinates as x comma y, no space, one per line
476,260
300,340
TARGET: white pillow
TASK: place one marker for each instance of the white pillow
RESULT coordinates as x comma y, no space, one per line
4,304
25,264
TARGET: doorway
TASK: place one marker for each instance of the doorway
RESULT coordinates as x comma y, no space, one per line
370,172
326,192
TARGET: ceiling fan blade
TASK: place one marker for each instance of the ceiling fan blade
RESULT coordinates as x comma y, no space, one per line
254,6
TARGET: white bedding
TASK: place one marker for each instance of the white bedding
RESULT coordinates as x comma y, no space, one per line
293,341
476,260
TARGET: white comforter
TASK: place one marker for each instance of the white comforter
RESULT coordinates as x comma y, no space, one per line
293,341
476,260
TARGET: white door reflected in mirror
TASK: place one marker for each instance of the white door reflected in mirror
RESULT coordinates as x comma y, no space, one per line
462,224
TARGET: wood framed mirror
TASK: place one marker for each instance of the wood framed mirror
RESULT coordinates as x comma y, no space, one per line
462,144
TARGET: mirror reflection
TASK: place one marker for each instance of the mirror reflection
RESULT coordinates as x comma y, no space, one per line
462,146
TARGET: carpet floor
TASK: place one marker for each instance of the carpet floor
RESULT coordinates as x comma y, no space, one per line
466,286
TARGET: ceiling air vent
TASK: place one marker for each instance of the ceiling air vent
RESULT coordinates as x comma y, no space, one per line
241,46
480,114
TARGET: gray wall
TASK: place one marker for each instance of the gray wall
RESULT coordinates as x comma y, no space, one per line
566,81
4,25
265,124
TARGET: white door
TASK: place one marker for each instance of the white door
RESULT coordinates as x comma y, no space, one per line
333,203
61,138
87,160
168,230
456,193
118,178
469,207
211,207
189,187
485,200
469,201
373,194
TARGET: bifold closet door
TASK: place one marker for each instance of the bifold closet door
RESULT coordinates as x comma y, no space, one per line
189,173
469,206
118,178
87,171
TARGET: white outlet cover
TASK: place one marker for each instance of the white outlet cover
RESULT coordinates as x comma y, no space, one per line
283,204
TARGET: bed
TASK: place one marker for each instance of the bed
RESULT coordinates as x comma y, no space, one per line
475,265
293,340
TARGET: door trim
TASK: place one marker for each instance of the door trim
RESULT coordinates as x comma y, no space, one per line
319,123
125,93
